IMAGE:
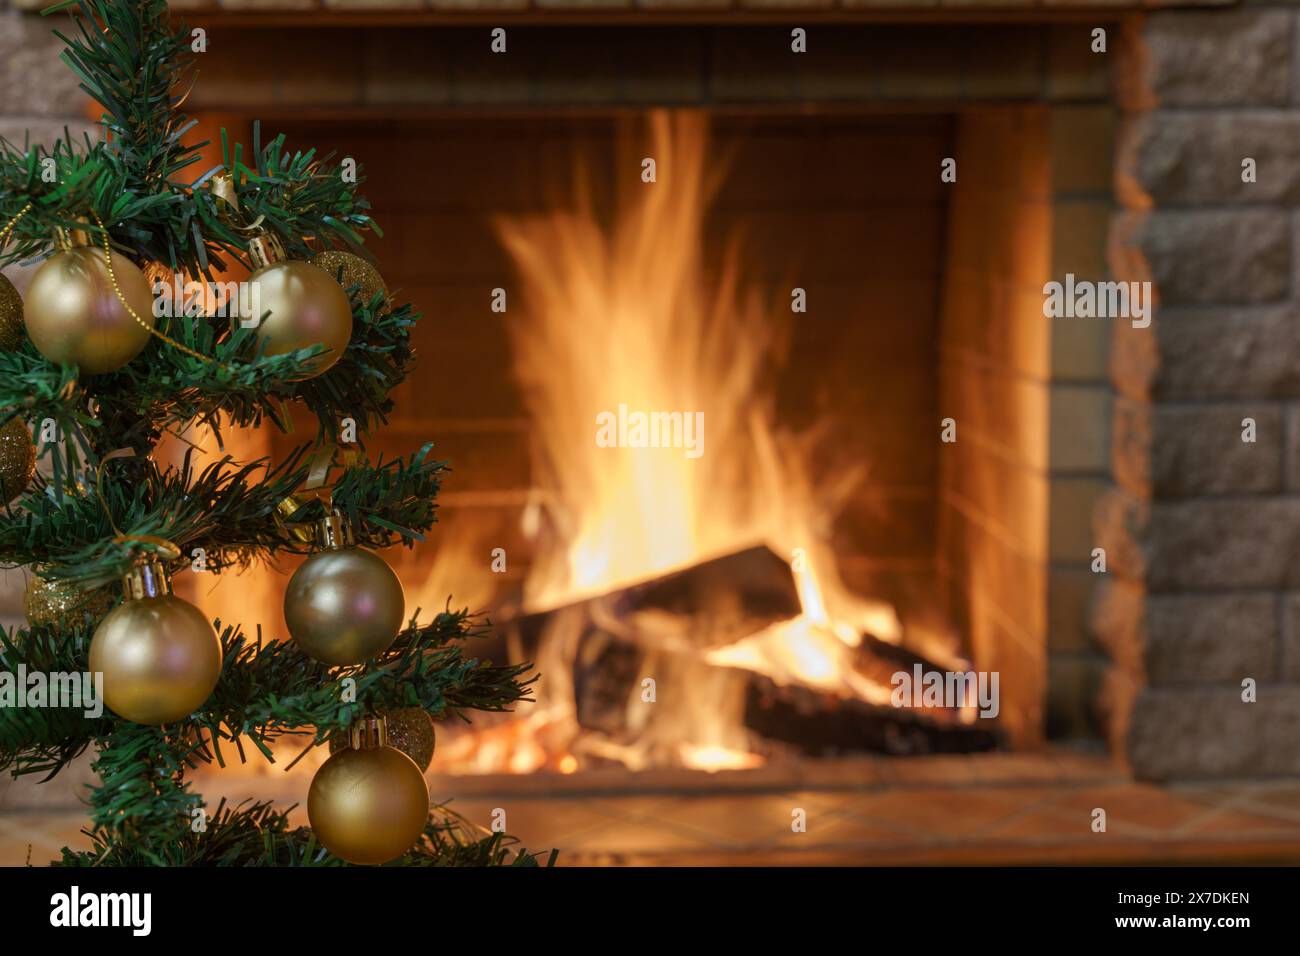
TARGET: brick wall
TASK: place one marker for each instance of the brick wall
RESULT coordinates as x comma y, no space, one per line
995,371
1203,529
1031,405
411,71
866,248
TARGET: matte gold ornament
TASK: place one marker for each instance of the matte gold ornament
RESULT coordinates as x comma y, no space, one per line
159,655
368,803
410,730
343,605
17,459
11,316
307,307
73,315
352,270
51,602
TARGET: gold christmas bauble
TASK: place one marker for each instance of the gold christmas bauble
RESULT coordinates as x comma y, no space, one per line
368,806
17,459
344,606
50,602
73,315
352,270
11,316
307,307
159,656
410,730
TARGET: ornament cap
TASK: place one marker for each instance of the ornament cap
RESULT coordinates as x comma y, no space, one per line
265,249
368,733
148,579
334,533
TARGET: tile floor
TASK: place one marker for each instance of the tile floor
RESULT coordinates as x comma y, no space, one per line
1245,823
926,816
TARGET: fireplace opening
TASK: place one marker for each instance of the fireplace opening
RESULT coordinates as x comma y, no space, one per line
739,444
763,448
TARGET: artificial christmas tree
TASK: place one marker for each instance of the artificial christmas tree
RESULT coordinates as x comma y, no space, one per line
102,378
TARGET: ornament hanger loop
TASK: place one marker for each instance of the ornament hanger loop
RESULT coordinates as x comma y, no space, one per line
161,547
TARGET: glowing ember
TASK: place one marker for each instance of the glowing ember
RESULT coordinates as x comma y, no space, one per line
717,758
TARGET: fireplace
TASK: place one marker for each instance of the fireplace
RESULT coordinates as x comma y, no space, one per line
807,271
839,275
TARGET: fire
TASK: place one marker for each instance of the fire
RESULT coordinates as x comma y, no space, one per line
630,319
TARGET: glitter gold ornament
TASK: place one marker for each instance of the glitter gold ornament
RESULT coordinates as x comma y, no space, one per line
368,803
302,306
343,605
73,315
17,459
410,730
159,655
11,316
351,270
49,602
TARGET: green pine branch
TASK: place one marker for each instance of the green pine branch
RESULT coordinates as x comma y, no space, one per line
227,511
102,486
257,834
141,181
267,690
166,389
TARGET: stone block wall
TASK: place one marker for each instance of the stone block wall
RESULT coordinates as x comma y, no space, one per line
1203,528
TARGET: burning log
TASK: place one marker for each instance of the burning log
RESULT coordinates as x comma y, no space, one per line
661,628
715,602
665,629
822,725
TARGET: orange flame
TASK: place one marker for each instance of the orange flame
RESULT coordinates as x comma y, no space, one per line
630,316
